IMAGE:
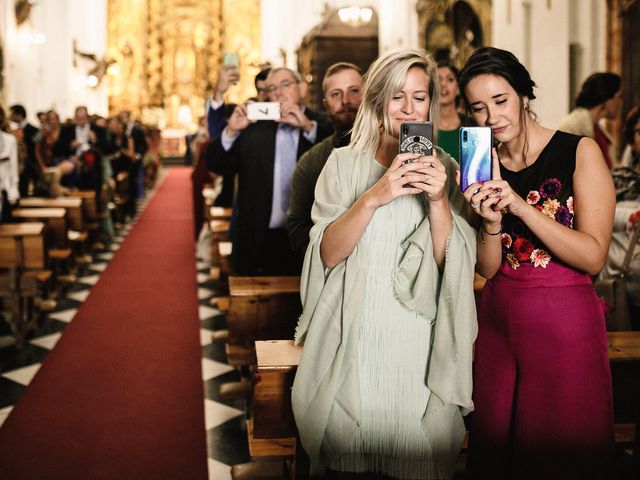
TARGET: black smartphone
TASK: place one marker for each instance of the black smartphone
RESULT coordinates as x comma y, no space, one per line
416,137
475,155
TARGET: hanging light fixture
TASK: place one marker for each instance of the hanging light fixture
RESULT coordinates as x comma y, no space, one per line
355,16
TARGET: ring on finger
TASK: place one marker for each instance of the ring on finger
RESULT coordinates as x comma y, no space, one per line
475,205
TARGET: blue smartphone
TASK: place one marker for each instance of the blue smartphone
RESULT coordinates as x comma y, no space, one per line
475,155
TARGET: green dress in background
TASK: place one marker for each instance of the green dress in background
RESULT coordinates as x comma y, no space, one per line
448,141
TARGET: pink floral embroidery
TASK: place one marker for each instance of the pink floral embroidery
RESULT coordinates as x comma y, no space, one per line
549,208
522,249
506,240
533,197
570,204
512,261
540,258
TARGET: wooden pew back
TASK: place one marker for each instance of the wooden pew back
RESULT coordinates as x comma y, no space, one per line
263,308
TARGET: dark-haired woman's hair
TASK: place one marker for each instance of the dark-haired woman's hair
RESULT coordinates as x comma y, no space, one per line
597,89
495,61
630,125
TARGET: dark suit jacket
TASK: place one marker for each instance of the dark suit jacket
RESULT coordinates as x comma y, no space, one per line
62,148
252,157
29,133
139,142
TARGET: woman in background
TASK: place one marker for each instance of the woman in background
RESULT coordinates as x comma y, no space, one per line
450,118
599,99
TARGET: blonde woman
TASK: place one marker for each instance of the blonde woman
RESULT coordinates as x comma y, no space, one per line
385,374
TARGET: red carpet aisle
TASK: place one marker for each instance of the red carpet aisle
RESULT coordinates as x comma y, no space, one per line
120,396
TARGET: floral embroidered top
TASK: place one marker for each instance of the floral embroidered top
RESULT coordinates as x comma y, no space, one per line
547,184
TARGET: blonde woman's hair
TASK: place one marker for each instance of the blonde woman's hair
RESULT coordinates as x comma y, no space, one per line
386,77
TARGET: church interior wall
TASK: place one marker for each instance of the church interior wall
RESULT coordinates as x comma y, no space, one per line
539,32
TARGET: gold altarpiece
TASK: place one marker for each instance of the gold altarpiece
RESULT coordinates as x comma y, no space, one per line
169,52
454,28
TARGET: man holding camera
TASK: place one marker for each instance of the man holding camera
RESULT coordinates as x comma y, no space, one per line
342,88
263,154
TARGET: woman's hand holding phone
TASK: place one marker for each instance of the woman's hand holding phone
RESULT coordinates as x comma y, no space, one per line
404,172
491,198
434,177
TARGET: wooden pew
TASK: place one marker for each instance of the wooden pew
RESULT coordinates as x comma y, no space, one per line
260,308
77,233
271,431
22,258
624,357
91,213
73,205
56,238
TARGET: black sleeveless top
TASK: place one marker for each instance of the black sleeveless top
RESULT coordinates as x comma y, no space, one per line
548,186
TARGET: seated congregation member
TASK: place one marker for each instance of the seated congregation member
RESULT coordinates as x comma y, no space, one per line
78,147
599,99
28,135
631,133
9,176
627,181
387,287
542,382
264,155
45,143
134,131
342,87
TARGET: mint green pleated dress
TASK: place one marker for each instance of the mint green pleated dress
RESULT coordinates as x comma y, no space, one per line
393,350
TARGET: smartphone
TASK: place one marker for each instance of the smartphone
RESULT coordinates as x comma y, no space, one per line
475,155
416,137
263,111
231,59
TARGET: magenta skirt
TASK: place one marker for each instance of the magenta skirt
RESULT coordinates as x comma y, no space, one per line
542,381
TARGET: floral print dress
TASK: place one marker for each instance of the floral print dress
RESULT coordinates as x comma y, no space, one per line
547,184
541,376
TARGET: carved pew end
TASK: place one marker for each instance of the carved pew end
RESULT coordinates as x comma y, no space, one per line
260,471
241,390
220,336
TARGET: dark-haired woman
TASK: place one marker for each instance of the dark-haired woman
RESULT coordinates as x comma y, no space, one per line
542,386
599,98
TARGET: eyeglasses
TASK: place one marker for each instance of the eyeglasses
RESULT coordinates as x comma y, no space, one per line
283,86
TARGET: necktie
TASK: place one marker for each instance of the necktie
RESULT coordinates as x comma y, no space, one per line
287,153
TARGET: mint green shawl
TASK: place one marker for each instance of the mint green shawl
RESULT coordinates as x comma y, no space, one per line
329,326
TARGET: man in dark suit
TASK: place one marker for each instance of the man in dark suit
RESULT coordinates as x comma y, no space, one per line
264,154
28,135
80,145
136,132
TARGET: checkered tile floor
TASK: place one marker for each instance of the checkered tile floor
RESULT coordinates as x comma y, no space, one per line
224,420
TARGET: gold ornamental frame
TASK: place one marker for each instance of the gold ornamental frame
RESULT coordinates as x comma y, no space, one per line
437,33
169,53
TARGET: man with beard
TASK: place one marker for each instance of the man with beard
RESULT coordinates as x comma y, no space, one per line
342,87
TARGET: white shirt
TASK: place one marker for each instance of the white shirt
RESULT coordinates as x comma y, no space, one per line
9,166
82,136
